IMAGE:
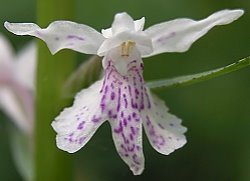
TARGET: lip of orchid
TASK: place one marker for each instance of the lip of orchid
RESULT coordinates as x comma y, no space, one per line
122,97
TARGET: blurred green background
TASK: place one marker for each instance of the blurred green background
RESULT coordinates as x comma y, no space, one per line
216,112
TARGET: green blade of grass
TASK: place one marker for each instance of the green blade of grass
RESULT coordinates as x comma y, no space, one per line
199,77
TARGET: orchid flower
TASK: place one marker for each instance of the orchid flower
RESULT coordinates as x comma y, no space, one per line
17,74
121,97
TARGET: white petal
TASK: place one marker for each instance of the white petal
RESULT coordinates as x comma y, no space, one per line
10,105
178,35
25,66
122,22
77,124
6,61
6,56
163,129
61,34
143,43
139,24
107,33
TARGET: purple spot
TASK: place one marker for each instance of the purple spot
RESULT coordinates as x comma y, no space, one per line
38,33
95,119
142,66
112,96
132,130
122,114
134,78
125,140
160,125
131,137
75,37
161,140
120,129
81,140
134,61
119,100
135,159
137,119
130,92
125,100
103,105
136,91
138,148
124,148
106,89
125,122
148,122
129,117
171,124
131,149
80,126
112,86
164,38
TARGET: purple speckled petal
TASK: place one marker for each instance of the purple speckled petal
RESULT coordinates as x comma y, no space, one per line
77,124
127,136
163,129
61,34
122,101
178,35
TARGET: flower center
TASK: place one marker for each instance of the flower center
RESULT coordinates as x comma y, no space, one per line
126,47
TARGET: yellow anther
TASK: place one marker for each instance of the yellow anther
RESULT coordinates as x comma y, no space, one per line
125,47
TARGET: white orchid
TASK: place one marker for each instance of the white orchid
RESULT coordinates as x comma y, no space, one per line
121,97
17,74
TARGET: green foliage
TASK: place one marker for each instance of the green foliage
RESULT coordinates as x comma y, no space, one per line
199,77
87,73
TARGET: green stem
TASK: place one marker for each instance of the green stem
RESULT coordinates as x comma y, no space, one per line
51,164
